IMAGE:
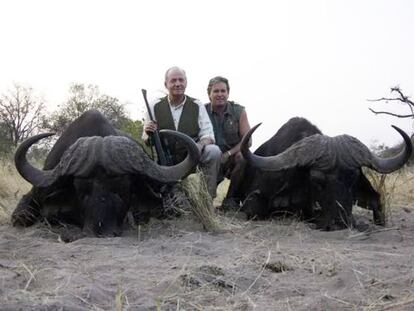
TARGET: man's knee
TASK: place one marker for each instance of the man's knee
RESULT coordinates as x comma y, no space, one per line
211,153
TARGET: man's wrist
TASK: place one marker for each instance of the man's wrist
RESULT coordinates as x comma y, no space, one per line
229,153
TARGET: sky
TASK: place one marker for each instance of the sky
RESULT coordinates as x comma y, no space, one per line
322,60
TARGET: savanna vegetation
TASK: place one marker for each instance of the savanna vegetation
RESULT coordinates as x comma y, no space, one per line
23,113
204,260
176,264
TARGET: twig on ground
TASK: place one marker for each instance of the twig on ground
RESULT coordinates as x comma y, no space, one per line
371,232
161,299
339,300
259,275
375,252
356,272
83,300
32,277
393,306
197,307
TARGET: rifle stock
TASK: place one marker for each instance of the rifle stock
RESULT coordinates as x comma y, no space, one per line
155,135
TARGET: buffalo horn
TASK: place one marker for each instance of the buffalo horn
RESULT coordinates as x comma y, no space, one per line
80,163
182,169
293,156
391,164
272,163
32,174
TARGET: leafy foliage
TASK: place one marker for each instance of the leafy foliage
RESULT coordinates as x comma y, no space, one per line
83,98
22,114
133,128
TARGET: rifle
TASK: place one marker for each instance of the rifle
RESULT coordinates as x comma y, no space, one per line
155,135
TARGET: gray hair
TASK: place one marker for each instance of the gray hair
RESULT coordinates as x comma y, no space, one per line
216,80
174,68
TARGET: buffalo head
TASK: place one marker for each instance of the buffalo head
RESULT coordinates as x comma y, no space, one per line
325,173
98,179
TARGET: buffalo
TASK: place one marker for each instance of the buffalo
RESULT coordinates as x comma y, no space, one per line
94,175
300,171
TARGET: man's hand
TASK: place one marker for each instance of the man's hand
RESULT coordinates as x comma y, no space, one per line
225,156
202,143
150,127
205,141
200,147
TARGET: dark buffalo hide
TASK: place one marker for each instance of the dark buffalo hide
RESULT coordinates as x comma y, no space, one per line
93,176
302,172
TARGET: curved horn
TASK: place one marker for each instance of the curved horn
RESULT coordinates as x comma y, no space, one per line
388,165
182,169
32,174
244,148
117,154
270,163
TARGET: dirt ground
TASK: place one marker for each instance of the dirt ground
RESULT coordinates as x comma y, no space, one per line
176,265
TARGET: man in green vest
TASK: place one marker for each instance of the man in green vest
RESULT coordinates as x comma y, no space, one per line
180,112
230,123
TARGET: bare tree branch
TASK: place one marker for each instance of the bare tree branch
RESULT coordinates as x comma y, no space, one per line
392,114
401,98
21,113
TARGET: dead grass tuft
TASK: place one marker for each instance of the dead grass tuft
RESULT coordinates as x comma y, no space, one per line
201,202
388,186
12,187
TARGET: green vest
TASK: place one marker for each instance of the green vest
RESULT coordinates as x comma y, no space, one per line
188,124
226,128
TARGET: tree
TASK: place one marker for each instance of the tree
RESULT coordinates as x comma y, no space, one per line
83,98
4,140
133,128
401,98
21,114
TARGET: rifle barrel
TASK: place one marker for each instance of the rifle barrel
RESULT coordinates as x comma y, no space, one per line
155,135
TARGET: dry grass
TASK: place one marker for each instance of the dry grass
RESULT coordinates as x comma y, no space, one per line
201,202
395,189
12,187
404,186
269,265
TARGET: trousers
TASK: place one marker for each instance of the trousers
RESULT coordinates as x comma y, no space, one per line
210,167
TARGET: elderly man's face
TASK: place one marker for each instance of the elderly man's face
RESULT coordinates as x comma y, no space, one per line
176,82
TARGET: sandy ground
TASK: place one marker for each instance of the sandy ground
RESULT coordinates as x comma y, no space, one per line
176,265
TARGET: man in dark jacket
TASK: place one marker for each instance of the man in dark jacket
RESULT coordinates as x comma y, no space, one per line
180,112
230,123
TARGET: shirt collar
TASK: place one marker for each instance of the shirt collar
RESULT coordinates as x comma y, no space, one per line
226,111
178,106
